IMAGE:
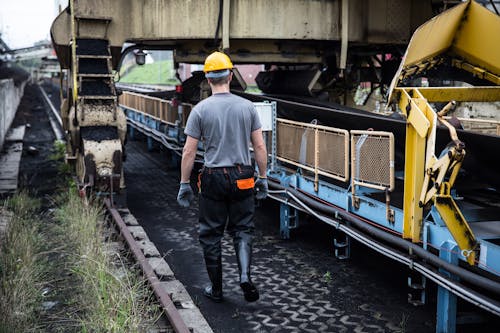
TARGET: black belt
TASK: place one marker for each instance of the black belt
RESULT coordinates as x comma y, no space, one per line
224,170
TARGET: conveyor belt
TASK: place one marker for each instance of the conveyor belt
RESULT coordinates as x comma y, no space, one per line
481,165
479,171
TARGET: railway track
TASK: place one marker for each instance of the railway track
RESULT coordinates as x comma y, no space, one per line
171,295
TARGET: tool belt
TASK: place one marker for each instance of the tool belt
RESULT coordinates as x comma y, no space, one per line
226,183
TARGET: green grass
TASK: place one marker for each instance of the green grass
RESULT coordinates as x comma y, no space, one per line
58,155
112,297
63,257
22,266
159,72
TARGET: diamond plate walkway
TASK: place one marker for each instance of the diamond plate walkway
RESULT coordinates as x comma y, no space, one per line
304,288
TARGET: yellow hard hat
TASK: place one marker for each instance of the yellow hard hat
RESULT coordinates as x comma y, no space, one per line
217,61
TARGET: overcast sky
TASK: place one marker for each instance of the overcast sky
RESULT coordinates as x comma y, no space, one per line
24,22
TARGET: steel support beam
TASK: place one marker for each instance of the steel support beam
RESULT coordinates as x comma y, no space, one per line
447,301
417,127
289,219
460,94
456,224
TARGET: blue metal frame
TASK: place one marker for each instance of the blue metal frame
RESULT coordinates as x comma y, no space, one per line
447,301
434,233
289,219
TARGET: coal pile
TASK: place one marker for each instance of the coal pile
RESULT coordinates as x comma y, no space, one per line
10,70
92,66
95,47
95,88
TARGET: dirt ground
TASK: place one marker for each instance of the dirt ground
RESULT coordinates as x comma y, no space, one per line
37,173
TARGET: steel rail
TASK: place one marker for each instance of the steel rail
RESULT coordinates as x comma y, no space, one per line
168,306
56,128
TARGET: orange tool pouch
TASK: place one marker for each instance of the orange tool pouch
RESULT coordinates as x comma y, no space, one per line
245,184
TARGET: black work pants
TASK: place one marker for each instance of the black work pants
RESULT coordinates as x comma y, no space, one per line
226,197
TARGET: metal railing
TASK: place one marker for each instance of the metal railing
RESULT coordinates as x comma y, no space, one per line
320,149
372,159
163,110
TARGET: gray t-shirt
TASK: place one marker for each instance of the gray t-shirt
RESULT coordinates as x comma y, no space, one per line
224,122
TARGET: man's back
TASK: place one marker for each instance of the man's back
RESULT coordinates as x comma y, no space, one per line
224,123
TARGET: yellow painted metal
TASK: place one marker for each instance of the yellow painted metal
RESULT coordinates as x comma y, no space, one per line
418,119
449,163
416,131
316,160
476,40
420,165
460,94
456,223
435,36
73,52
414,171
476,71
467,33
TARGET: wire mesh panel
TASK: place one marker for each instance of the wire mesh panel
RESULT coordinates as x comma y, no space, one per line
186,110
132,101
293,142
161,109
171,113
320,149
151,107
372,159
334,152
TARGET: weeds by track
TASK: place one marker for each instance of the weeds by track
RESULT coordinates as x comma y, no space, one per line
59,274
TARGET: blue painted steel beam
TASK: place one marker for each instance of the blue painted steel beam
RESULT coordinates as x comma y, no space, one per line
289,219
446,301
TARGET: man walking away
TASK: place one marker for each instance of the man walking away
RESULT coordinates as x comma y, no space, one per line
226,124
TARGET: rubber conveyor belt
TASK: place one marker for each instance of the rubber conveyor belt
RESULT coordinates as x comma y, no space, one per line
481,166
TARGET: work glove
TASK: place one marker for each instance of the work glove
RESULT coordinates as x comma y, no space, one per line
185,195
261,188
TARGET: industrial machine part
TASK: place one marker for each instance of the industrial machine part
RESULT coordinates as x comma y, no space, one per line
463,44
95,125
293,36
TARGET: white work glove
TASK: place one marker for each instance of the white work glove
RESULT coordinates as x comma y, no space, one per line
185,195
261,188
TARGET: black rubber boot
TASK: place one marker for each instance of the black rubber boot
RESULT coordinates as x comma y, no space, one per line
213,295
244,258
214,270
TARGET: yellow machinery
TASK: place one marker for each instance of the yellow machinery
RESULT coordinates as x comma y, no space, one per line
461,43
